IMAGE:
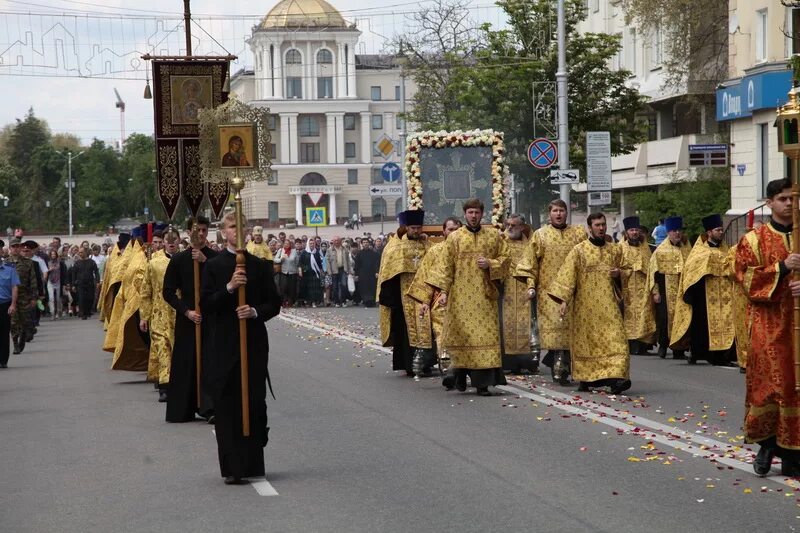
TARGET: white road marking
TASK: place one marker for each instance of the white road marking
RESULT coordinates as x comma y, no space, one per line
264,487
669,436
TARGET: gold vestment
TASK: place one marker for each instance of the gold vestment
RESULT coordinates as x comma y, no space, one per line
130,351
402,257
668,260
105,301
471,334
543,259
113,305
424,293
516,304
260,250
160,317
639,313
597,342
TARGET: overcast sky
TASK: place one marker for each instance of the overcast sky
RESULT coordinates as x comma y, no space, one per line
86,107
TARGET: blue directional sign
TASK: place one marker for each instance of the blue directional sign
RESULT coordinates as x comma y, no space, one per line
542,153
390,172
316,216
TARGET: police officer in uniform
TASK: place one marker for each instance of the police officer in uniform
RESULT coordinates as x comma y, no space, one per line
22,319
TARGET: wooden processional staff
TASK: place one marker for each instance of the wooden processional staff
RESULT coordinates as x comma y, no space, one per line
789,143
237,183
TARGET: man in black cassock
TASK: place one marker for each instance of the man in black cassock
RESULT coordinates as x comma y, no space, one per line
366,272
240,457
182,391
85,277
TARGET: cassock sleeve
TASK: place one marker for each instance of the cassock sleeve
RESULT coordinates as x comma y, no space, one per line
271,304
528,267
758,280
563,288
440,275
652,269
170,290
146,302
498,266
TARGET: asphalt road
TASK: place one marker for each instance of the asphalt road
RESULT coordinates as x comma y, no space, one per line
357,448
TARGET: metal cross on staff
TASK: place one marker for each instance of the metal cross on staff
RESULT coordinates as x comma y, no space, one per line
234,148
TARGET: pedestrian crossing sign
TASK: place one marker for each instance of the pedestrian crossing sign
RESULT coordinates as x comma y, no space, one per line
316,216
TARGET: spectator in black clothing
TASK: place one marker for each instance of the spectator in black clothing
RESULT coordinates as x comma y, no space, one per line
85,278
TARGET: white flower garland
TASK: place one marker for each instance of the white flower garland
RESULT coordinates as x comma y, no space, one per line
445,139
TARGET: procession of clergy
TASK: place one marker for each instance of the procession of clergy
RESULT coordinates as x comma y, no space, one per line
464,303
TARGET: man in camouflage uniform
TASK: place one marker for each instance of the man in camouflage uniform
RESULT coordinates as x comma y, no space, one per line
22,319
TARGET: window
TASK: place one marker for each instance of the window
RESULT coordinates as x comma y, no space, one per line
377,122
397,92
350,150
294,87
293,57
349,122
595,5
272,122
761,35
377,177
308,126
657,49
378,208
794,31
630,51
398,123
352,173
324,57
352,208
325,87
762,156
272,211
272,151
309,152
375,93
272,179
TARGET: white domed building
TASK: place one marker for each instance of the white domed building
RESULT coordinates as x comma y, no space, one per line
331,109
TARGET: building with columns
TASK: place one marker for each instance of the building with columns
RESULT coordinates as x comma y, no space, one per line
334,115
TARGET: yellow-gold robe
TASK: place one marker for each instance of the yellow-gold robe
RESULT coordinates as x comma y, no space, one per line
668,261
516,304
426,294
260,250
160,317
639,313
543,259
471,333
598,343
114,302
400,261
713,266
105,301
130,351
741,316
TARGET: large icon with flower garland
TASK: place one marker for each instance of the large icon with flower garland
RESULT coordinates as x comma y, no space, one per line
446,168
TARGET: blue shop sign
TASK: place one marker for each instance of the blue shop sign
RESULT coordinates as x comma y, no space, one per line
766,90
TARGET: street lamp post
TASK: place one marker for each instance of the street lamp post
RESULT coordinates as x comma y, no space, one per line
70,157
402,60
563,107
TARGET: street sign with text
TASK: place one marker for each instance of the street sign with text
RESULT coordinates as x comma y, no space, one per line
385,190
708,155
599,198
390,172
598,161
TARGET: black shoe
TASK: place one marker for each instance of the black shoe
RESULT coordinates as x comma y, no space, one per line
789,468
162,396
564,382
763,461
662,353
21,344
483,391
449,382
230,480
211,419
620,386
3,365
583,387
680,354
15,340
742,370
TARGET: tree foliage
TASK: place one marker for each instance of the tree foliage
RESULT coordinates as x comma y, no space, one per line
485,80
34,171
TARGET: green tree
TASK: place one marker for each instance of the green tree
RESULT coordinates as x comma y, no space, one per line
138,165
489,85
100,181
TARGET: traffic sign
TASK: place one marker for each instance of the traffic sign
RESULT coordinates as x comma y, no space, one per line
316,216
542,153
390,172
385,146
565,177
315,197
600,198
598,161
385,190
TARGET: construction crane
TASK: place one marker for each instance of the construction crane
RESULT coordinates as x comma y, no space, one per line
121,106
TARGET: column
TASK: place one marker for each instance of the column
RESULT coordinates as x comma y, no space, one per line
332,207
330,137
276,61
310,78
284,140
341,83
351,71
292,138
339,137
298,209
366,137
